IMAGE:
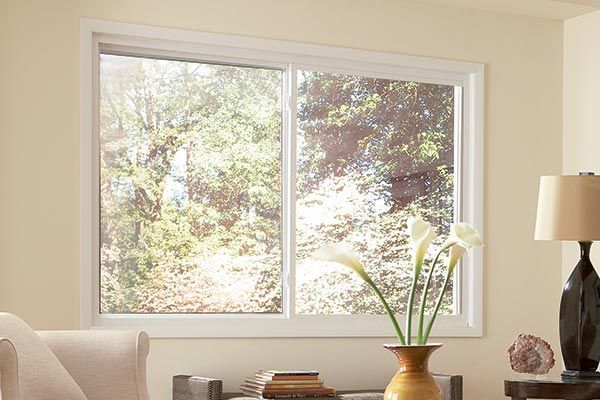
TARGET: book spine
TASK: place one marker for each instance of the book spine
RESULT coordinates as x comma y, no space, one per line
285,382
295,395
251,394
318,391
287,377
275,387
290,373
282,387
249,388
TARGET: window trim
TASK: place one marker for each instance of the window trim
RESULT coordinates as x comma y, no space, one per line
184,44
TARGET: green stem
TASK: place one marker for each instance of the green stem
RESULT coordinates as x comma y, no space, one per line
437,306
425,292
411,299
424,295
389,311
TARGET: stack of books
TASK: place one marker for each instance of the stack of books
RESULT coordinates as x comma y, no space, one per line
277,384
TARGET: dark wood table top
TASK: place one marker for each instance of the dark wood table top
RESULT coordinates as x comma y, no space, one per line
519,389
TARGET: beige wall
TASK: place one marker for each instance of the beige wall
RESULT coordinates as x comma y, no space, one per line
39,111
581,133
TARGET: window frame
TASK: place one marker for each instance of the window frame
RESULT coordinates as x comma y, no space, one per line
128,39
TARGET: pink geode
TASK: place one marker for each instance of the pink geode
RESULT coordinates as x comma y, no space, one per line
531,355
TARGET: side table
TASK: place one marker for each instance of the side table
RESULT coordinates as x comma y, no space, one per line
552,389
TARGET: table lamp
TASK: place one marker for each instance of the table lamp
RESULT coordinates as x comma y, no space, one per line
569,209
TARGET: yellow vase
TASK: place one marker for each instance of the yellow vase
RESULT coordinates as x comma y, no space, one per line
413,380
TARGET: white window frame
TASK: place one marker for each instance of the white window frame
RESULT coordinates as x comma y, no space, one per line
184,44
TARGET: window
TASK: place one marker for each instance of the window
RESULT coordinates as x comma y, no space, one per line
213,166
370,153
190,188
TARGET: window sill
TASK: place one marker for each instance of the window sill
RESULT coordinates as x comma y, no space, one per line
245,326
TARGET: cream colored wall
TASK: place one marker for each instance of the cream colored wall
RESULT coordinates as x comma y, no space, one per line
581,133
39,111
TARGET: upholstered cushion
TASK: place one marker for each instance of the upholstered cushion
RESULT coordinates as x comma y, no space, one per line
9,385
105,364
41,375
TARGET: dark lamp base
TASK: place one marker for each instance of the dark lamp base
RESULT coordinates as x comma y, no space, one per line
580,320
580,375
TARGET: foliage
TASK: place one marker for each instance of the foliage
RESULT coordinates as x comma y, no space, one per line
191,184
371,153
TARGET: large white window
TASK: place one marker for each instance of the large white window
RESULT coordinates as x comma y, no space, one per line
213,166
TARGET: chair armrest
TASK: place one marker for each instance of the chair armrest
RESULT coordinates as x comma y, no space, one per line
188,387
452,385
9,377
107,365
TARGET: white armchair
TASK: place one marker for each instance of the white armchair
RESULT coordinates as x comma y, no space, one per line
105,365
9,382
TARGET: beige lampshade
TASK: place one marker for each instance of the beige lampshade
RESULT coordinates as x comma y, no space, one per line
568,208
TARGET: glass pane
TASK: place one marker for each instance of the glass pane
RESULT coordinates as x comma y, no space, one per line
189,187
371,153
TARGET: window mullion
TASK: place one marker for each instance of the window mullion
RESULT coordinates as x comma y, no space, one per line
458,190
289,187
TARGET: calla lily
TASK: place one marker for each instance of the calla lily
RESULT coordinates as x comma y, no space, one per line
462,238
344,255
421,235
465,235
456,252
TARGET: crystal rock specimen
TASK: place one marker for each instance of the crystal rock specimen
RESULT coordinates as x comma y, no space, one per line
531,355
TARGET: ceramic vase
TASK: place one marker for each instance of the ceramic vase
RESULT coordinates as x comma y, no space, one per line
413,381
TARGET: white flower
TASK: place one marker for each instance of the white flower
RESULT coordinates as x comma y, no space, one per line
465,235
421,235
344,255
456,252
